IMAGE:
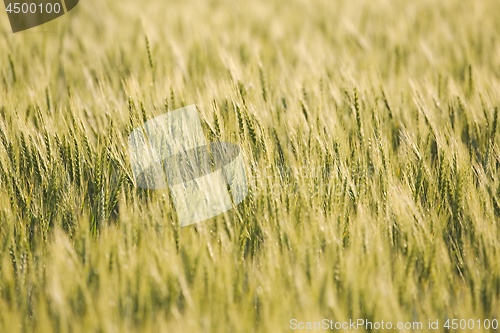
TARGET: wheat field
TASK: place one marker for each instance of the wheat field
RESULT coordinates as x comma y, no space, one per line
370,135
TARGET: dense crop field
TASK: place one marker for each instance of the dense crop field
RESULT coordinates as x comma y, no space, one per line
370,133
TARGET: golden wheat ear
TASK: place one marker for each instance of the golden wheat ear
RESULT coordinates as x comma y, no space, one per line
30,14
